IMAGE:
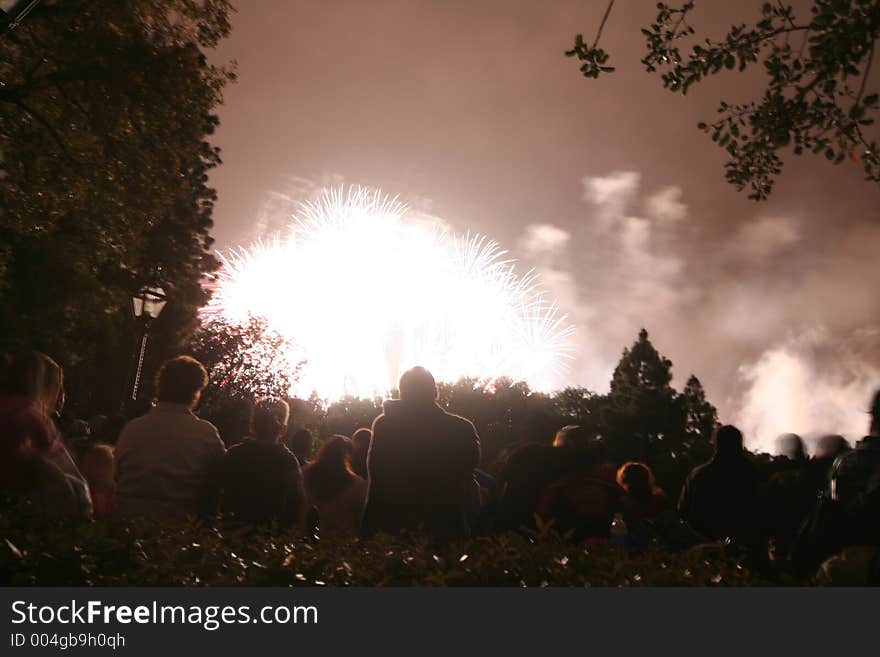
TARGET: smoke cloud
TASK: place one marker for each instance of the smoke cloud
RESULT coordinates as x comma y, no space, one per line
774,315
809,386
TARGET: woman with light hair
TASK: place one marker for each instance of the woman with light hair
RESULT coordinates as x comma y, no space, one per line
34,463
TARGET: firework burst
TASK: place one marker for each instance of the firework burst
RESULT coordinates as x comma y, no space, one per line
364,291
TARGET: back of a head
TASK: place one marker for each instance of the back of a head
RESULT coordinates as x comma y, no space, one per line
361,439
418,385
180,380
875,415
300,443
791,446
33,375
334,454
831,446
572,435
728,440
269,418
331,470
636,479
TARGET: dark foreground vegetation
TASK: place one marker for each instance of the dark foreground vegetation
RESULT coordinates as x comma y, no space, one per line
33,553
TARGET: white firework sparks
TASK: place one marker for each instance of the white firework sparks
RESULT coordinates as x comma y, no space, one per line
365,292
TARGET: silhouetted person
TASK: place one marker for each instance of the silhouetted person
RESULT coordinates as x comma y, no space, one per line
789,494
421,463
528,470
334,489
791,446
97,464
855,484
642,498
828,448
300,443
644,505
166,460
531,468
107,432
260,479
360,441
34,463
583,499
720,498
847,512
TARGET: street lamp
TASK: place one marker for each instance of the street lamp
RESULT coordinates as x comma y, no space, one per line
12,12
146,305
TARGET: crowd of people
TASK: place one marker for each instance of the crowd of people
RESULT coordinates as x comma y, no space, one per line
418,468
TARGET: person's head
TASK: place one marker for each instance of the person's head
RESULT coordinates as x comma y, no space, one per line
572,435
36,376
300,443
97,466
418,385
269,419
874,429
727,440
791,446
180,380
335,453
360,440
331,470
636,479
831,446
97,424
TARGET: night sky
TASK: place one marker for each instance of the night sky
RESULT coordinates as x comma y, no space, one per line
470,111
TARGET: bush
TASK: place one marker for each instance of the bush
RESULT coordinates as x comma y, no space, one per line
34,552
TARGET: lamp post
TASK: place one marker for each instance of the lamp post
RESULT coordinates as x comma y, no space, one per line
12,12
146,305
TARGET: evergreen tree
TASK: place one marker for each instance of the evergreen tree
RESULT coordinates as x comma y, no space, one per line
642,415
701,416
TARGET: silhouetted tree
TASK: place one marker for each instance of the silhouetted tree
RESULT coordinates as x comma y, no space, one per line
642,414
350,413
701,416
105,114
816,98
249,359
244,361
582,407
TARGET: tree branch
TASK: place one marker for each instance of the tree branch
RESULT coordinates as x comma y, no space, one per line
39,118
867,74
602,24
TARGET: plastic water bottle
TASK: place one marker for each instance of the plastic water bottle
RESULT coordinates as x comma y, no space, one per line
619,533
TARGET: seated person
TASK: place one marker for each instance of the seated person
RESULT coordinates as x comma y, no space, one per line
334,489
260,479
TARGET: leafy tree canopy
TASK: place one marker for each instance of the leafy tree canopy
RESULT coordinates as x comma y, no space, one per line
105,114
817,97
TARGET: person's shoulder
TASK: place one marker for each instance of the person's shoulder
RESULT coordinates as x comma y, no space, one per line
205,429
702,470
461,422
132,429
380,421
283,452
239,449
847,461
203,424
